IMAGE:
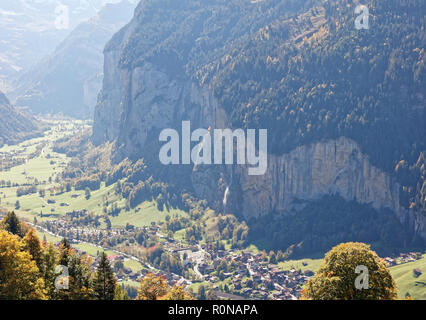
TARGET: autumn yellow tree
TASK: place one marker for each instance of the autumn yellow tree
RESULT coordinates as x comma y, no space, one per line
344,266
177,293
19,276
152,287
33,245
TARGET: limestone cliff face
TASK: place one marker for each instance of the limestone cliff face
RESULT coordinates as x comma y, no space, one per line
147,99
135,101
311,171
305,174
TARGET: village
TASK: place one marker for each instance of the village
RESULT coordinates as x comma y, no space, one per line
246,276
232,274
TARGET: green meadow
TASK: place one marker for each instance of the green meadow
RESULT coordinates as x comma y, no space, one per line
53,205
407,282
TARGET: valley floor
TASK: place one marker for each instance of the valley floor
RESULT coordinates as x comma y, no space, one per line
48,207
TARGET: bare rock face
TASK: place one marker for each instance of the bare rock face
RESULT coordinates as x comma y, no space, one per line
312,171
134,102
147,100
307,173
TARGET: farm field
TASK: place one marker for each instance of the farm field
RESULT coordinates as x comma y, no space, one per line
407,282
302,264
46,169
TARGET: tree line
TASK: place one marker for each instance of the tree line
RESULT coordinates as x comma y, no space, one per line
34,270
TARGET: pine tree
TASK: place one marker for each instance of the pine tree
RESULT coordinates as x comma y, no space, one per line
201,293
80,285
105,281
87,193
12,224
64,252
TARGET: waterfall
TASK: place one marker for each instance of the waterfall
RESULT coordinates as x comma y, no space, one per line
225,197
227,191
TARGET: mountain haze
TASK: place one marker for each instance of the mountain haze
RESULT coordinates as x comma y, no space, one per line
29,31
68,81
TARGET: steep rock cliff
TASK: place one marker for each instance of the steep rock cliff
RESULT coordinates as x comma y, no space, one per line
312,171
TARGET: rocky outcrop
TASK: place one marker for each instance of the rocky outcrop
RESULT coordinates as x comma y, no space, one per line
311,171
307,173
135,102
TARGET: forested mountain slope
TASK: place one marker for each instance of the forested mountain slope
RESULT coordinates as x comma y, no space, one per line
15,125
344,108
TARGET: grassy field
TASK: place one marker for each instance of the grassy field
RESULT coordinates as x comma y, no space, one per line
91,249
407,283
196,285
49,164
303,264
49,237
135,266
143,215
131,283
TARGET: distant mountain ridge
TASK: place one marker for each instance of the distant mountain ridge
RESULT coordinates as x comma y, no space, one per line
15,125
29,31
68,81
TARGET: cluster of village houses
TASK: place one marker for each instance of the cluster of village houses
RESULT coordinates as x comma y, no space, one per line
251,277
